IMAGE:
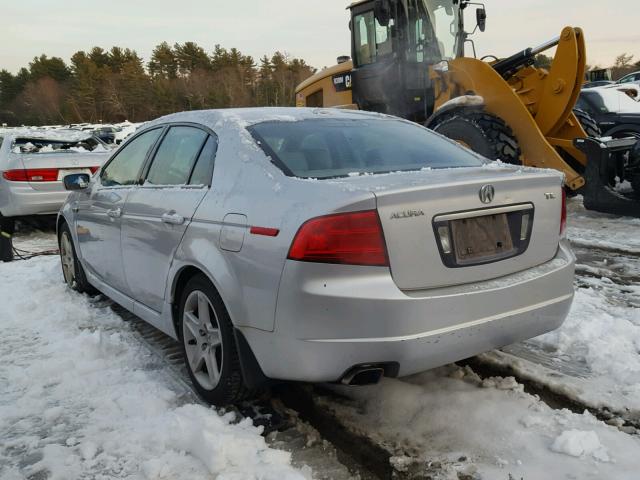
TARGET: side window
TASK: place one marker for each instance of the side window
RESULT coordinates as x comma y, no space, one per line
365,38
203,170
176,156
372,40
124,169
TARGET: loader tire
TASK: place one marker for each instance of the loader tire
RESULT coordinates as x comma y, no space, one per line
481,132
589,125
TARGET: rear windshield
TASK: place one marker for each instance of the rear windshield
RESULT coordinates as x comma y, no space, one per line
328,148
35,145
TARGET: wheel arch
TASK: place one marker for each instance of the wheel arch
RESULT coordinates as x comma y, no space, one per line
252,373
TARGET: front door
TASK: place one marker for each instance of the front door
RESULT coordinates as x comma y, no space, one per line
158,212
98,218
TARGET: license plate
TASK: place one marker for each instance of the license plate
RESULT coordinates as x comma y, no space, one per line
69,171
481,238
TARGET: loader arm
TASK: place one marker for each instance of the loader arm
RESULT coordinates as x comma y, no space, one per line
537,104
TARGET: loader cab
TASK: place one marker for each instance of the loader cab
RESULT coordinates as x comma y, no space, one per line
394,42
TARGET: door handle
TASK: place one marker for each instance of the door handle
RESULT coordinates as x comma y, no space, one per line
115,213
173,218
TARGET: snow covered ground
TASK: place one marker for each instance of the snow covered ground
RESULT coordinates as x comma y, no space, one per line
595,356
80,397
593,229
487,429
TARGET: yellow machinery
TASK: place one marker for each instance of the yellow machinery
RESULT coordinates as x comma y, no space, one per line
408,61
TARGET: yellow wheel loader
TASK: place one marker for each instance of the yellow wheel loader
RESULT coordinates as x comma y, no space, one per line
408,59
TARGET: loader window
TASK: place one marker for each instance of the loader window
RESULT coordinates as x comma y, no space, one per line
329,148
372,40
444,17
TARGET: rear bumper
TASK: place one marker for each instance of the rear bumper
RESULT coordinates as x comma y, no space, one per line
330,319
20,199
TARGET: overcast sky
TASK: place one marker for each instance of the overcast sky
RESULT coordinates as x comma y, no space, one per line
315,30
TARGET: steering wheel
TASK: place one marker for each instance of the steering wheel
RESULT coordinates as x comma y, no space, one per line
489,56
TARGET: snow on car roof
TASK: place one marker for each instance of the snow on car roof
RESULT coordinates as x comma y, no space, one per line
62,135
243,117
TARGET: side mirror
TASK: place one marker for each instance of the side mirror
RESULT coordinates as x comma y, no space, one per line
76,181
481,18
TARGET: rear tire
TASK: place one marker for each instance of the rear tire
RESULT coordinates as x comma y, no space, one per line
589,125
481,132
72,270
208,344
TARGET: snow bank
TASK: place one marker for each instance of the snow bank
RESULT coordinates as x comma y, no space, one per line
489,427
578,443
81,398
604,336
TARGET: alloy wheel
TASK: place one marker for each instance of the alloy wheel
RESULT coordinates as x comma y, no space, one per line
68,262
202,340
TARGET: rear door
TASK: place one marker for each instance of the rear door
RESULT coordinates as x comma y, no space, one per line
158,212
99,211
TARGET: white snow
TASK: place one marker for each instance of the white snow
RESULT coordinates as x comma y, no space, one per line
80,397
490,427
593,229
464,101
578,443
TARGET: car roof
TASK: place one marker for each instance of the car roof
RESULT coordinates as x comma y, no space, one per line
60,135
240,118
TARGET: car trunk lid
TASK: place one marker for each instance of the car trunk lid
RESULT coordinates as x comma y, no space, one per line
517,228
64,163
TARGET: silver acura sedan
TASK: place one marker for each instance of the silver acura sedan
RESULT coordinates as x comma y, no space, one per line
317,245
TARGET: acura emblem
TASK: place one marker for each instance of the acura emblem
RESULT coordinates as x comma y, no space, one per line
487,194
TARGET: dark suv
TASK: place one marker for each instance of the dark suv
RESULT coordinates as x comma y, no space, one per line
617,114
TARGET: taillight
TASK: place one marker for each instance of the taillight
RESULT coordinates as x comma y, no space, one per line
36,174
32,175
563,214
345,238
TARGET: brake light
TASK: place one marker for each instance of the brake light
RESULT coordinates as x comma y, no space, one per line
32,175
563,214
37,174
346,238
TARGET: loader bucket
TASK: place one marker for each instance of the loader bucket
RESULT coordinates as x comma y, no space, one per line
605,162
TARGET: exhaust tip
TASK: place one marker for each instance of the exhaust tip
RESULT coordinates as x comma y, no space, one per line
361,376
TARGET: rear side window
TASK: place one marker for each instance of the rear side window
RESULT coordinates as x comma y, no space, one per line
176,156
125,168
203,170
326,148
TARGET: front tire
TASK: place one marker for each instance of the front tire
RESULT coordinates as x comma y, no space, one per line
208,344
481,132
72,270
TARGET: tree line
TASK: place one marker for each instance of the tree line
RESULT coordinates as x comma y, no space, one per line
116,84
